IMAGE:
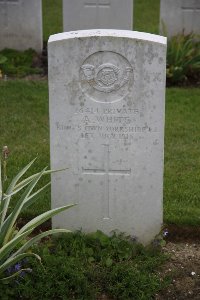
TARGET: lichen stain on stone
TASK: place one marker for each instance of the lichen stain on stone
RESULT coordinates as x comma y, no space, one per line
151,54
73,90
129,103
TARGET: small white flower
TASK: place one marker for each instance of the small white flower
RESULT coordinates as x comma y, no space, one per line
193,273
165,232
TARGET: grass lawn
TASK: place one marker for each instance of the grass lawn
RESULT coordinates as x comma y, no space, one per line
25,129
182,157
52,17
146,15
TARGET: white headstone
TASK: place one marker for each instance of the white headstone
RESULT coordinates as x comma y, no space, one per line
178,16
21,24
92,14
107,91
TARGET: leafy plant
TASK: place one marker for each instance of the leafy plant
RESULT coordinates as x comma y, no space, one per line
91,266
183,58
3,59
20,63
13,242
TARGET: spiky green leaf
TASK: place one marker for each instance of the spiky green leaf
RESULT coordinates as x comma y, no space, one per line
43,217
11,261
37,238
19,205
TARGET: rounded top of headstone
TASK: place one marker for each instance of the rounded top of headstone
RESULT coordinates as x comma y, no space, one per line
109,33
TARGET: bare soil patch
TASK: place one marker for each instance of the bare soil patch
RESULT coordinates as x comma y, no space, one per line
183,266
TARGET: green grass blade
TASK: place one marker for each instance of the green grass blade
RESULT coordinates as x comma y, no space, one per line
32,198
19,205
178,46
10,189
1,198
26,181
23,184
1,186
18,176
43,217
7,248
16,191
4,228
194,62
37,238
11,261
187,47
7,279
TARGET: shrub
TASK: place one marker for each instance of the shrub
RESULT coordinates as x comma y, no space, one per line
3,59
183,59
20,63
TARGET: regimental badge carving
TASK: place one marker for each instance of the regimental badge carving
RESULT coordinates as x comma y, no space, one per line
105,76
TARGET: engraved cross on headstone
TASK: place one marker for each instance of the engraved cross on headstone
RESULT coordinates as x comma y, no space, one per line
193,5
5,4
107,172
97,6
97,3
9,1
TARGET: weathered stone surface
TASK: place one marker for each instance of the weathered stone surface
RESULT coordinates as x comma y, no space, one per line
21,24
92,14
107,90
179,16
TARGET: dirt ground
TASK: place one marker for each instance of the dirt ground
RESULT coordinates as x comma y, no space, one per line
183,246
